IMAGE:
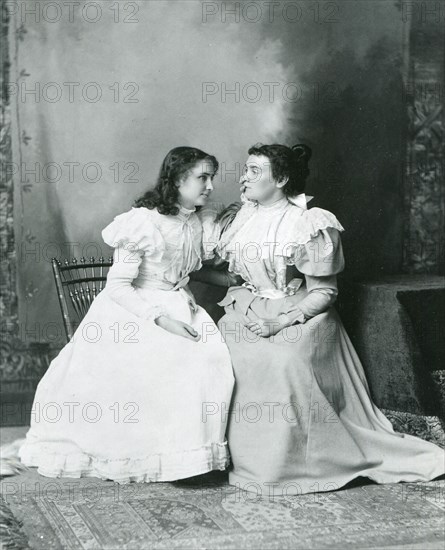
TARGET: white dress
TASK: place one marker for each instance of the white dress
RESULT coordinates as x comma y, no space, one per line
126,400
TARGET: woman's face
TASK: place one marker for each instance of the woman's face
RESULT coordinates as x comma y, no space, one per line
196,185
257,182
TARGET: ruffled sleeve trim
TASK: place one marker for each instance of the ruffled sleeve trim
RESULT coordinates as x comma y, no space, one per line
211,228
233,220
136,229
311,241
300,228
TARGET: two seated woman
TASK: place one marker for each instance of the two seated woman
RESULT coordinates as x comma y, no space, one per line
301,418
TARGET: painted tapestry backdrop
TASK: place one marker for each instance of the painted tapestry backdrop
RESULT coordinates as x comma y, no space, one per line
102,90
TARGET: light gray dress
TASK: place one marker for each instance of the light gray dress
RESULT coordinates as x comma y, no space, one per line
301,417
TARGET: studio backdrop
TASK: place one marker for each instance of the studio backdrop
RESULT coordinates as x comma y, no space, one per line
100,91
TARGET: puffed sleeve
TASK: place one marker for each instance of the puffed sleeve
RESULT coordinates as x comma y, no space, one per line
317,253
133,235
215,218
313,243
211,228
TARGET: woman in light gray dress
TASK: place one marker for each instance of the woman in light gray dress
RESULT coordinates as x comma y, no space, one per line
301,417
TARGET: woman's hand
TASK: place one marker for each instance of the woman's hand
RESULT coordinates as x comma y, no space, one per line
178,327
265,327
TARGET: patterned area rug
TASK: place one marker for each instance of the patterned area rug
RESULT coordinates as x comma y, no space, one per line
206,512
430,428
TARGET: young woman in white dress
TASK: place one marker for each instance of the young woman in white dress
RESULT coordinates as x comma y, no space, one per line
124,400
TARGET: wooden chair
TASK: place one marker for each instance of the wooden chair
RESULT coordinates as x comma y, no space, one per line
78,284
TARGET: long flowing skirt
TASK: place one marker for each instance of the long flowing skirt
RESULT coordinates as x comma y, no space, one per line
125,400
301,418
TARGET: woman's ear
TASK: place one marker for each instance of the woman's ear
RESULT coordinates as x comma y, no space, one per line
282,182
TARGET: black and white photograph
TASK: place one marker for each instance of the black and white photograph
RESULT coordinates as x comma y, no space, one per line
222,275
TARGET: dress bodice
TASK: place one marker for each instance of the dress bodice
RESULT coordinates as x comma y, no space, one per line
263,240
167,248
153,252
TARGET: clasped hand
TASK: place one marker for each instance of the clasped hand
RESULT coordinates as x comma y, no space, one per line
262,327
265,327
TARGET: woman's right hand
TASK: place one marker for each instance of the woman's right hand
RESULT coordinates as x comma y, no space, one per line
178,327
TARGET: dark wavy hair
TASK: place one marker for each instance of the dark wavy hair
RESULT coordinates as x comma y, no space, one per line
177,163
287,162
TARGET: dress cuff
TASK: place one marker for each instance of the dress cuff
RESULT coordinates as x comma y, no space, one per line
155,312
292,318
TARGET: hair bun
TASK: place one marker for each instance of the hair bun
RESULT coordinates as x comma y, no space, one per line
302,152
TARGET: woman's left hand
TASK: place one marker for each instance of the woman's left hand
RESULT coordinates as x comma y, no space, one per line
265,327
